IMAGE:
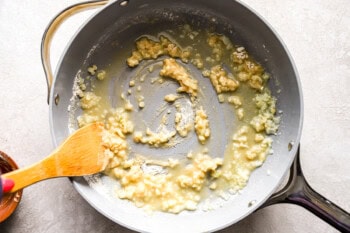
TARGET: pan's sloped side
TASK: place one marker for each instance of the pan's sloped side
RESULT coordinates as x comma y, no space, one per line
124,23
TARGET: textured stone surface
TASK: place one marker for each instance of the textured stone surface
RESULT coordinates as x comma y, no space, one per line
318,37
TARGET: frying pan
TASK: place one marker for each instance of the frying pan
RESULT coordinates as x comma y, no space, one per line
119,24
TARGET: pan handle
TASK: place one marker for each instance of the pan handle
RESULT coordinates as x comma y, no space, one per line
298,191
52,28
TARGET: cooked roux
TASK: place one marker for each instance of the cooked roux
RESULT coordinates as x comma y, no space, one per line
178,185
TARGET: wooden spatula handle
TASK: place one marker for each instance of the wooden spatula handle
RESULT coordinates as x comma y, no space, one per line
32,174
79,155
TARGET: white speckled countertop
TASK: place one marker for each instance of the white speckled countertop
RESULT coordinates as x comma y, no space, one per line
317,34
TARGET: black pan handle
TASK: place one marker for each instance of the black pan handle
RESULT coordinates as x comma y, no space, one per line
52,28
298,191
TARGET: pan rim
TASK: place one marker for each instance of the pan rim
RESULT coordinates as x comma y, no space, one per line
77,182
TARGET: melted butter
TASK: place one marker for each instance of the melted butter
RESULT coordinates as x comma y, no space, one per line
176,185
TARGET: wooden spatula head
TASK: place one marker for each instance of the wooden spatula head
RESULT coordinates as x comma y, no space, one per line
81,154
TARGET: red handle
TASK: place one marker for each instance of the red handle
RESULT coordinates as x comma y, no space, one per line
7,185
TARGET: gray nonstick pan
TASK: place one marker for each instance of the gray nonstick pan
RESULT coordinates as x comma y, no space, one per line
115,27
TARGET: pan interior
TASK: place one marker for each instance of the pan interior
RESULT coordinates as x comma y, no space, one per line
115,41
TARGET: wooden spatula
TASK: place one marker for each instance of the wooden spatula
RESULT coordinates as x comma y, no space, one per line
80,154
